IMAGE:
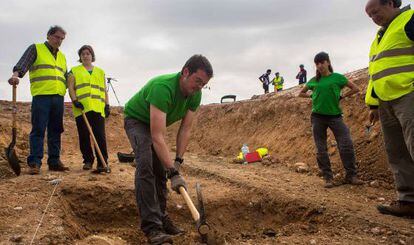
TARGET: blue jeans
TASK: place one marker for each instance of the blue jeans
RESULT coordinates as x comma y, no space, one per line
47,112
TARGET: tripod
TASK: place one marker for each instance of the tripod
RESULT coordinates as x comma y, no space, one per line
108,80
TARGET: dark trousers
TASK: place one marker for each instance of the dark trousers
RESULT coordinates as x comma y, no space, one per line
342,135
47,113
97,123
397,121
150,176
266,88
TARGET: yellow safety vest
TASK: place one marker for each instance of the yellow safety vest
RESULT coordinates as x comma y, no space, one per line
90,90
47,74
278,82
391,66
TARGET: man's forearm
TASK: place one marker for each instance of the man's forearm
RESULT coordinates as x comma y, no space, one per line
183,137
161,148
26,61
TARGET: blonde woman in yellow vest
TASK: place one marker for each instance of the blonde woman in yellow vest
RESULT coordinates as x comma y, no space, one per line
87,90
390,95
47,70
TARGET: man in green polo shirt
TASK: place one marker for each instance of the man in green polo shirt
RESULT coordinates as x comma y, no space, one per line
162,101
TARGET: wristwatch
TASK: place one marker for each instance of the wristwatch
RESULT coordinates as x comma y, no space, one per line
171,172
179,159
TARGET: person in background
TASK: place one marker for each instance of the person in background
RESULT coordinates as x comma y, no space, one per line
326,89
47,71
265,80
87,91
390,95
301,75
278,82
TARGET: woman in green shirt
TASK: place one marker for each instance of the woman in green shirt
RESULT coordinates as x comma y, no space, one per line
326,89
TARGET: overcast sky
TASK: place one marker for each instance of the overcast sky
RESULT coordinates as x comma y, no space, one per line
136,40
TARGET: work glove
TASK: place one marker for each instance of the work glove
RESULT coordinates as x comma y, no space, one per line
176,182
107,110
79,105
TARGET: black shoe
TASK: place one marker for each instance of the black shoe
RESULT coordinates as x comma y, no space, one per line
170,228
159,237
58,167
398,208
87,166
101,169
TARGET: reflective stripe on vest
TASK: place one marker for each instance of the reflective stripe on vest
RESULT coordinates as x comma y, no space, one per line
47,74
391,67
90,90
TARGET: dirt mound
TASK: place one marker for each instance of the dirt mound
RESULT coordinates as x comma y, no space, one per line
260,203
281,122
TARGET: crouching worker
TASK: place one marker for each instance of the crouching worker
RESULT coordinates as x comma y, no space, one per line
86,84
162,101
326,113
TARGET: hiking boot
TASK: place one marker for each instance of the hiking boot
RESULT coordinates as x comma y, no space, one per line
58,167
159,237
87,166
397,208
170,228
329,183
34,169
101,169
353,181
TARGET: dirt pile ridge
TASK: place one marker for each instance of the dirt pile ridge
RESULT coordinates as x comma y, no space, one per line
259,203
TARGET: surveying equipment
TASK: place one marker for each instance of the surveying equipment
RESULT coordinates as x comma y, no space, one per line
108,80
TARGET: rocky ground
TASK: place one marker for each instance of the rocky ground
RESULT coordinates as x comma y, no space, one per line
277,201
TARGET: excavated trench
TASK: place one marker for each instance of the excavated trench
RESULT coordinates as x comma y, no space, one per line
103,215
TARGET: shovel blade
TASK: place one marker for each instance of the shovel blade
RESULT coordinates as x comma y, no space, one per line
13,160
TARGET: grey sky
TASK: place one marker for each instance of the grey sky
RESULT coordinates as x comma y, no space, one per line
137,40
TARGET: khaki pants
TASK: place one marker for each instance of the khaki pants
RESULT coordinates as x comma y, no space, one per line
397,121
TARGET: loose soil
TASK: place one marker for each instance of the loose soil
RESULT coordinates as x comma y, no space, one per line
259,203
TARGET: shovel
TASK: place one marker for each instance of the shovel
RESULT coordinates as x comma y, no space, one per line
10,152
108,170
199,215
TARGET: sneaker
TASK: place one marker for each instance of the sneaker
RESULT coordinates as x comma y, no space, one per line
159,237
353,181
58,167
170,228
34,169
329,183
397,208
87,166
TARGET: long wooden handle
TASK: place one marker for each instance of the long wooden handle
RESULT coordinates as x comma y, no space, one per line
190,204
94,139
14,110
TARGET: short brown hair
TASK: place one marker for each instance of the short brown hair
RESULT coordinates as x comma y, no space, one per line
197,62
89,48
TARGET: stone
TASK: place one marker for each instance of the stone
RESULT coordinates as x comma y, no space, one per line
381,199
402,242
18,208
313,242
375,231
301,167
16,238
374,183
269,232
